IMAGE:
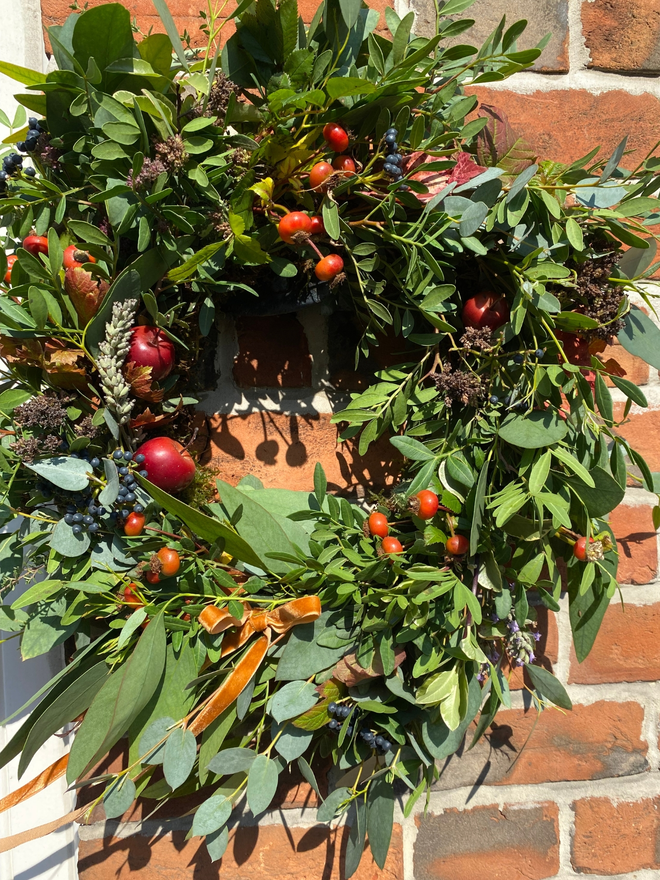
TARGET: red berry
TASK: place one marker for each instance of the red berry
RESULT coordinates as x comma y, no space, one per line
74,257
134,524
294,222
336,137
36,244
391,545
153,577
11,259
580,548
319,174
344,163
428,504
131,596
457,545
150,347
317,225
378,525
486,309
169,560
330,266
168,464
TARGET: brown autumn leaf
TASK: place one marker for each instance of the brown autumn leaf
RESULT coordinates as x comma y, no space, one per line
142,386
84,291
349,671
464,169
614,368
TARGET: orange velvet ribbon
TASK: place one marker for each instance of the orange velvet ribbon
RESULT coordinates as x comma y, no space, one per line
216,620
34,786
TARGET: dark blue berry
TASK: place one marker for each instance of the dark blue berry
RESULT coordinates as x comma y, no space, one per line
138,508
88,520
393,159
15,159
74,455
30,172
391,132
128,456
518,359
123,471
32,123
68,519
380,740
123,492
95,462
349,730
118,454
507,400
93,527
77,517
131,485
113,516
390,169
332,708
539,352
77,529
139,459
101,511
334,725
494,398
93,510
130,498
70,508
144,474
390,141
403,187
21,146
125,513
386,746
3,176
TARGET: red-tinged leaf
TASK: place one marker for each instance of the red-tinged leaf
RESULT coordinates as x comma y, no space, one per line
498,144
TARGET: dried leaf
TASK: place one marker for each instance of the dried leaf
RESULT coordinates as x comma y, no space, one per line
139,378
498,144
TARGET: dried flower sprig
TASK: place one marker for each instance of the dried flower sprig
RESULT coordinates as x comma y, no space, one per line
114,349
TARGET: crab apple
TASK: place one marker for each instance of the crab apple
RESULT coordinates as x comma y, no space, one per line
134,524
170,561
486,309
131,597
150,347
293,223
378,525
457,545
344,163
11,259
391,545
580,548
329,267
318,227
335,136
426,504
168,464
73,257
36,244
319,174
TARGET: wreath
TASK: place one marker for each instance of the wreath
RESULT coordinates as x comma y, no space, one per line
226,635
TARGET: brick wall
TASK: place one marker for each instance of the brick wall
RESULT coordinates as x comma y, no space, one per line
569,794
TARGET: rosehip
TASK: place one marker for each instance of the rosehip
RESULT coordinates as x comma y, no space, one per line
292,223
580,548
336,137
36,244
378,525
329,267
318,227
169,560
131,597
134,524
319,174
457,545
73,257
153,577
11,259
426,505
391,545
344,163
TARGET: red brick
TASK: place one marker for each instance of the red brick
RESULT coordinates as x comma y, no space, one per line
622,35
626,648
273,353
254,853
282,451
344,334
642,430
550,17
590,742
637,542
565,125
513,843
616,838
635,369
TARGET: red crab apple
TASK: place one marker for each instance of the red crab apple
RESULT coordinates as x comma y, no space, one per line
150,347
168,464
485,309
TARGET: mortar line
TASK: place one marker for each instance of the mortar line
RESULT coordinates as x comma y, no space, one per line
566,827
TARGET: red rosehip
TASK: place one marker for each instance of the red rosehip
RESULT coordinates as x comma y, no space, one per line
36,244
134,524
344,164
318,227
170,561
73,257
11,259
169,466
427,505
153,577
131,597
486,309
580,548
378,525
319,174
391,545
457,545
329,267
336,137
292,223
150,347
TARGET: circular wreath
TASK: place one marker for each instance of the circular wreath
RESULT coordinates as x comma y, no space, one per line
229,636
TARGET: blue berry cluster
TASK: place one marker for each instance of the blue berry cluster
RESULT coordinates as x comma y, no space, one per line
29,145
393,161
373,740
14,161
127,499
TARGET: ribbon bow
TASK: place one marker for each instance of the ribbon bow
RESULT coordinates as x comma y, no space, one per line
216,620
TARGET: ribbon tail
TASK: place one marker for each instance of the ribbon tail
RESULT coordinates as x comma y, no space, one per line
232,686
15,840
34,786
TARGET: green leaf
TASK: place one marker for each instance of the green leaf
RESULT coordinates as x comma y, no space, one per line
574,465
12,398
549,686
356,837
118,797
326,812
293,699
574,234
217,842
603,497
630,390
412,449
320,484
211,815
71,474
232,761
23,75
179,757
206,527
262,784
152,747
120,700
104,34
350,11
39,592
439,740
108,495
343,86
380,818
586,612
534,431
44,633
641,337
301,651
478,509
293,742
603,398
65,541
308,775
330,214
87,232
133,623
